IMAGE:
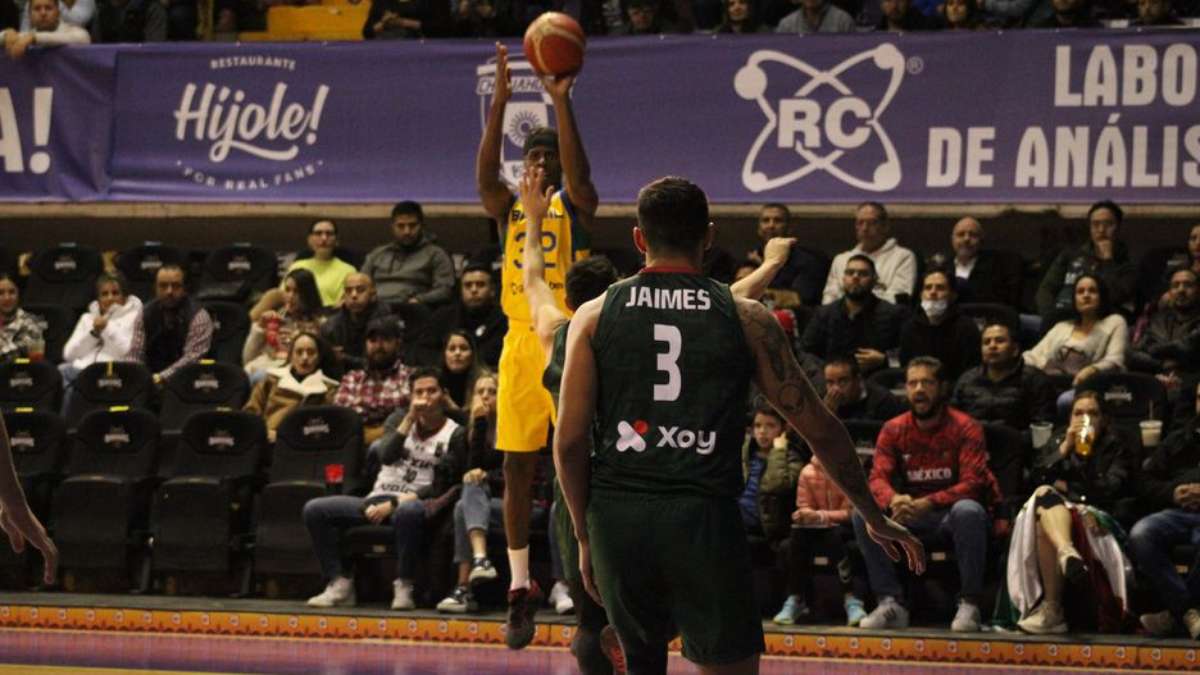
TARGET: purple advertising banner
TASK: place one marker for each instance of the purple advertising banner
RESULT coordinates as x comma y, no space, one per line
1017,117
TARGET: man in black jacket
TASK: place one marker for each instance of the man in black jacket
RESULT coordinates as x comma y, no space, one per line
1170,484
1171,343
346,330
1004,389
982,275
476,312
852,398
859,323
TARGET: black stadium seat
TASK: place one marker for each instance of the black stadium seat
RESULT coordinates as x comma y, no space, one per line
309,441
989,312
64,275
204,385
101,509
60,321
236,273
140,264
1129,398
30,384
38,446
103,385
231,324
201,514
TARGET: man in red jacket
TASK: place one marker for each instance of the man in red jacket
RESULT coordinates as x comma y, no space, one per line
930,473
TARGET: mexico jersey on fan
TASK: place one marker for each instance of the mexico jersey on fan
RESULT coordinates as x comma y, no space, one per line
524,409
674,374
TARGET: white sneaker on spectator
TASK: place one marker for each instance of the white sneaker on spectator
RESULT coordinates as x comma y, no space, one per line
560,599
888,614
1159,624
402,595
1191,621
1045,619
966,619
460,601
338,593
481,571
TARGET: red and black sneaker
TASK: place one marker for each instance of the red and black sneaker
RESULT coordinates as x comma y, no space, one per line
522,605
611,644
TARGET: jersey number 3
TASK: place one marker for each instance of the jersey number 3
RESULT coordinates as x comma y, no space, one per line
668,363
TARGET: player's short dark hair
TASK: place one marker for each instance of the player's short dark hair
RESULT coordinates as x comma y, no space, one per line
428,371
879,208
541,137
847,361
409,208
673,214
1109,204
862,257
588,279
787,214
932,362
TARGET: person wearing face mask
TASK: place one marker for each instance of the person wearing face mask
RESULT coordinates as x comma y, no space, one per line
298,382
105,331
939,330
19,330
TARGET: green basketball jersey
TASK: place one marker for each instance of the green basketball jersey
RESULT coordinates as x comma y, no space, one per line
673,370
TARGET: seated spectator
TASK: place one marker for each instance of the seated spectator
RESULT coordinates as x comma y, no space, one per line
484,18
820,523
1004,388
858,323
1063,14
1082,475
477,313
1103,256
770,467
804,271
299,382
740,16
981,275
76,13
174,331
382,386
1169,345
105,331
130,21
21,333
1155,13
816,16
850,397
396,19
961,15
45,29
896,266
938,329
646,17
1169,484
900,16
346,329
329,270
411,269
1092,341
930,474
420,466
460,368
270,338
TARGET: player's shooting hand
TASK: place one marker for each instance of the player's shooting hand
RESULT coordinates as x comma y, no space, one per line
558,86
893,538
585,571
534,197
777,250
503,88
21,526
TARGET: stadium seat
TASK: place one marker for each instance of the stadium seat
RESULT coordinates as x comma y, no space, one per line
309,442
103,385
38,446
30,384
236,273
196,387
201,513
990,312
100,510
60,321
1008,456
231,324
140,264
891,379
64,275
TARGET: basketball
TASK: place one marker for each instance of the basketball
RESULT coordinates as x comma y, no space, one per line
554,44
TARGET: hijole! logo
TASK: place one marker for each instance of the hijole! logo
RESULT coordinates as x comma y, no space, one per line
818,119
528,108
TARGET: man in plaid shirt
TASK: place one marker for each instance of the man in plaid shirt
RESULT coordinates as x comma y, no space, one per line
383,386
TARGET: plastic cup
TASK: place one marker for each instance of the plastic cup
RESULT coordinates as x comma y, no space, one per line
36,350
1151,432
1041,431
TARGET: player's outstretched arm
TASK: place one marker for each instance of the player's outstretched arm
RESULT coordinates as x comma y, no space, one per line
492,191
577,172
17,521
542,307
572,438
784,384
775,255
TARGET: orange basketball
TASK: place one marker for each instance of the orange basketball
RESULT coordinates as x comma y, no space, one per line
554,44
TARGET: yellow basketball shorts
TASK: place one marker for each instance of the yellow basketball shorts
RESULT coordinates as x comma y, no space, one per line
524,409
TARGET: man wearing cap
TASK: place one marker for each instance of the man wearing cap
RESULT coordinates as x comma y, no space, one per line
382,386
524,407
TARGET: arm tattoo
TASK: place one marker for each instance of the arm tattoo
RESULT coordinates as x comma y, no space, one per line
766,334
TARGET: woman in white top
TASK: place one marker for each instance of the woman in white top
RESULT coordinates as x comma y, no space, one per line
104,331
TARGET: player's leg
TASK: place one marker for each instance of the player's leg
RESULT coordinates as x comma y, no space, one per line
519,471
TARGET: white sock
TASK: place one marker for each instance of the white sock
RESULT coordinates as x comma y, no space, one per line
518,564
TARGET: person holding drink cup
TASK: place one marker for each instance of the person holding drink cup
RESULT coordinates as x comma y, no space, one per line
1084,473
21,333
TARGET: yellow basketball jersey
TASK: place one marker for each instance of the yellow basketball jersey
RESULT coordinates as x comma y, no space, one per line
564,241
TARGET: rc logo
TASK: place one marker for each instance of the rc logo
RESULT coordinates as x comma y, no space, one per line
631,436
527,109
824,121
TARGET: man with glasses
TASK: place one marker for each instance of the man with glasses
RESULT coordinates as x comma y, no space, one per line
330,271
859,324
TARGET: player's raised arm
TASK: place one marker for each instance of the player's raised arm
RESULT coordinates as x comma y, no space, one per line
494,194
775,255
577,173
543,309
783,382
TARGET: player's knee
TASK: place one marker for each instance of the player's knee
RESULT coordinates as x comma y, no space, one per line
519,469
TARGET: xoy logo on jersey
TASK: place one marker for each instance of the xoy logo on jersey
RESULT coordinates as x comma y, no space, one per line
821,116
633,437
